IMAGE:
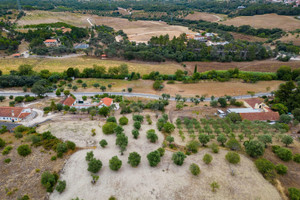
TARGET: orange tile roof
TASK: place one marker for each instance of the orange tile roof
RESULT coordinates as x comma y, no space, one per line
50,40
261,116
107,101
69,101
254,101
7,112
16,54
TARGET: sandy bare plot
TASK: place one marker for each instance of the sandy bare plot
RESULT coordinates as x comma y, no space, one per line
287,23
166,181
205,16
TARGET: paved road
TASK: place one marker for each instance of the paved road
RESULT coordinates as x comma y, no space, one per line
150,96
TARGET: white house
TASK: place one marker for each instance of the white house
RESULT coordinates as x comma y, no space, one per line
14,114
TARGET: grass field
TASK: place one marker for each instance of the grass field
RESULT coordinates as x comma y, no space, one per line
61,64
286,23
205,16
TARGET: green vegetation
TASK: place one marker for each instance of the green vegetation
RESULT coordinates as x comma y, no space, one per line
94,165
115,163
178,158
153,158
24,150
61,186
103,143
195,169
109,128
233,157
134,159
207,158
49,180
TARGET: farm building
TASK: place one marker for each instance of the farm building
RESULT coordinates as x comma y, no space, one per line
79,103
51,43
256,111
70,101
14,114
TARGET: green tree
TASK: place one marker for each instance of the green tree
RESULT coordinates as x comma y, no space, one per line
153,158
265,138
84,85
255,148
135,133
233,144
134,159
94,165
222,101
61,186
2,98
104,111
207,158
24,150
123,121
281,169
285,119
103,88
286,139
2,143
203,139
137,125
89,156
170,139
109,128
214,186
178,158
151,136
49,180
168,127
222,139
233,157
103,143
294,193
284,154
122,142
115,163
195,169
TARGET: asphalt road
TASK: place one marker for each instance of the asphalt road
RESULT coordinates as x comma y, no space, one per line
149,96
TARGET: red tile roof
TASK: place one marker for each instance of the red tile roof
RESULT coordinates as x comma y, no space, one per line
50,40
261,116
7,112
16,54
107,101
69,101
254,101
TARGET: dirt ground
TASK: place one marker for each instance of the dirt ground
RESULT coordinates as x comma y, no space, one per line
258,66
291,38
205,16
20,176
270,21
139,31
166,181
250,38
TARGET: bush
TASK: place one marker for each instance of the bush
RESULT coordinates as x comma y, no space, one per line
111,119
275,148
94,165
49,180
294,193
214,147
207,158
103,143
53,158
204,139
153,158
161,151
7,160
233,144
24,150
168,127
115,163
152,136
71,145
195,169
138,118
2,143
61,148
178,158
61,186
255,148
284,154
287,139
135,133
193,146
123,121
134,159
233,157
137,125
109,128
263,165
296,158
281,169
89,156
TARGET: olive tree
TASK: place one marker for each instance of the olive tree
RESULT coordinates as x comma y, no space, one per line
153,158
122,142
195,169
178,158
115,163
134,159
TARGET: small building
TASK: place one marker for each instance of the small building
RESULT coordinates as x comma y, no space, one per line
14,114
70,101
51,43
103,56
82,46
241,7
17,55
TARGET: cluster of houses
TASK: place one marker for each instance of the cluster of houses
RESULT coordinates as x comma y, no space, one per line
80,103
256,110
205,37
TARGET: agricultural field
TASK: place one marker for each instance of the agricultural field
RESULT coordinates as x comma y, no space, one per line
146,181
294,38
62,64
287,23
250,38
206,17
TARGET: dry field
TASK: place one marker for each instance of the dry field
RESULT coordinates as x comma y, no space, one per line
257,66
205,16
61,64
166,181
291,38
270,21
20,176
250,38
139,31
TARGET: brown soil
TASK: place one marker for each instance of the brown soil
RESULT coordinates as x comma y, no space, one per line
239,36
203,16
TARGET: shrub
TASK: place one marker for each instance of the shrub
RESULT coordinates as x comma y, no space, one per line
222,139
111,119
134,159
287,139
103,143
168,127
214,147
18,135
214,186
275,148
6,150
193,146
178,158
7,160
195,169
71,145
152,136
138,118
203,139
61,148
49,180
2,143
296,158
161,151
207,158
123,121
24,150
281,169
255,148
94,165
137,125
109,128
122,142
294,193
264,166
61,186
53,158
115,163
233,157
233,144
153,158
284,154
89,156
135,133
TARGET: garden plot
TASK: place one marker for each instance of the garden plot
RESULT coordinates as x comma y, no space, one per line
166,181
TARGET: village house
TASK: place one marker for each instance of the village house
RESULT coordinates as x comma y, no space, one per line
51,43
79,103
14,114
256,110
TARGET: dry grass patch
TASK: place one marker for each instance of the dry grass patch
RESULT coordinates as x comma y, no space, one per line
270,21
205,16
239,36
